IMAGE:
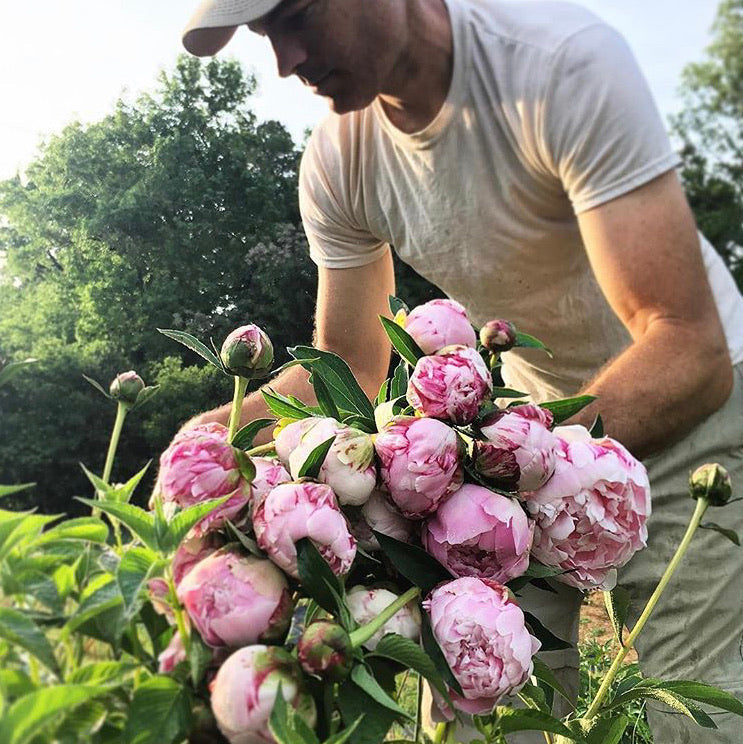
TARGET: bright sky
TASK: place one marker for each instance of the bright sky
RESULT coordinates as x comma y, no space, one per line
68,60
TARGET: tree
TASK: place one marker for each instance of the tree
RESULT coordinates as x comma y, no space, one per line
711,131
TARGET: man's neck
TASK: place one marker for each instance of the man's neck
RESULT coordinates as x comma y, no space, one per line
420,81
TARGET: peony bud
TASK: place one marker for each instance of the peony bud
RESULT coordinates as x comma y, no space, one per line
325,649
248,352
126,387
244,692
439,323
173,655
366,604
711,482
498,335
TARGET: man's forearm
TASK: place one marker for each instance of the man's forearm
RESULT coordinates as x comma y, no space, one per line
660,387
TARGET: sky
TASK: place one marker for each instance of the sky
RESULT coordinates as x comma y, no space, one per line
71,60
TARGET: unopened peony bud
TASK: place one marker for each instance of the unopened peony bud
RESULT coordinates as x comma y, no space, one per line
711,482
325,649
126,387
498,335
439,323
366,604
248,352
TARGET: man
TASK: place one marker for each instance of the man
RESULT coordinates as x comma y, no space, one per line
512,154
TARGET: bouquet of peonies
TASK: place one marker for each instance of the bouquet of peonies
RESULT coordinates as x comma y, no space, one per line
284,592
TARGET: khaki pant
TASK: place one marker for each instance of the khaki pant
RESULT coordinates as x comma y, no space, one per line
696,630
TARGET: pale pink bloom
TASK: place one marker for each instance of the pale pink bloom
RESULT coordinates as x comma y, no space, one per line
287,439
235,600
420,463
173,655
269,473
590,517
380,514
451,384
477,532
482,634
201,465
292,511
366,604
440,323
524,431
244,692
348,467
247,352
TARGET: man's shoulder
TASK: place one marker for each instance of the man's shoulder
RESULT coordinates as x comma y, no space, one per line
540,24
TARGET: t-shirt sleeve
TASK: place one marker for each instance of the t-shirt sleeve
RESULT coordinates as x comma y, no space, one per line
602,132
336,237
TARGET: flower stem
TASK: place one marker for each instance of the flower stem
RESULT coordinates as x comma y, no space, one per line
121,412
361,635
696,518
261,449
442,733
180,620
241,385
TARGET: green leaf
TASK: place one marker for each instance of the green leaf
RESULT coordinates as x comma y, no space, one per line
399,384
20,630
414,563
311,466
596,429
324,398
199,658
403,342
245,436
80,725
145,395
702,693
139,522
567,407
354,703
396,304
411,655
183,521
617,604
549,641
525,341
134,570
98,387
731,535
102,673
343,736
280,406
535,697
160,713
316,576
11,369
362,677
100,611
529,719
544,674
504,392
607,730
85,529
28,716
7,490
281,721
19,527
382,394
679,704
337,374
123,494
191,342
432,648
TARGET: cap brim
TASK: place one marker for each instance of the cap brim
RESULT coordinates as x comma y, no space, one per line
205,42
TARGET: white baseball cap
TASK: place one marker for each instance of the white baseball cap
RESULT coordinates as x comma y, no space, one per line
215,21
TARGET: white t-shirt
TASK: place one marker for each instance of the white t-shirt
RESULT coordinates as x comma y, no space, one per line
547,116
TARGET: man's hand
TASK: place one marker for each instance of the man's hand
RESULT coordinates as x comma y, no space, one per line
644,250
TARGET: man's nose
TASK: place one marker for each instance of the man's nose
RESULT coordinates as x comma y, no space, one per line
290,54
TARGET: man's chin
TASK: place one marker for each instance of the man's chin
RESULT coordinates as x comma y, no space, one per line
344,104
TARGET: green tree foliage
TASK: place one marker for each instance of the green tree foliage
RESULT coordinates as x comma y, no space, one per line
711,131
176,211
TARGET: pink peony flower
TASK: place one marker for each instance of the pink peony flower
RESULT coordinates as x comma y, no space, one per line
247,352
381,515
477,532
440,323
420,463
365,604
244,692
269,473
201,465
173,655
193,549
524,431
450,384
296,510
235,600
590,517
288,437
482,635
348,467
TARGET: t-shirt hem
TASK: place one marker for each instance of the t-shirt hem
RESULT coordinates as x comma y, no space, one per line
628,183
346,261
